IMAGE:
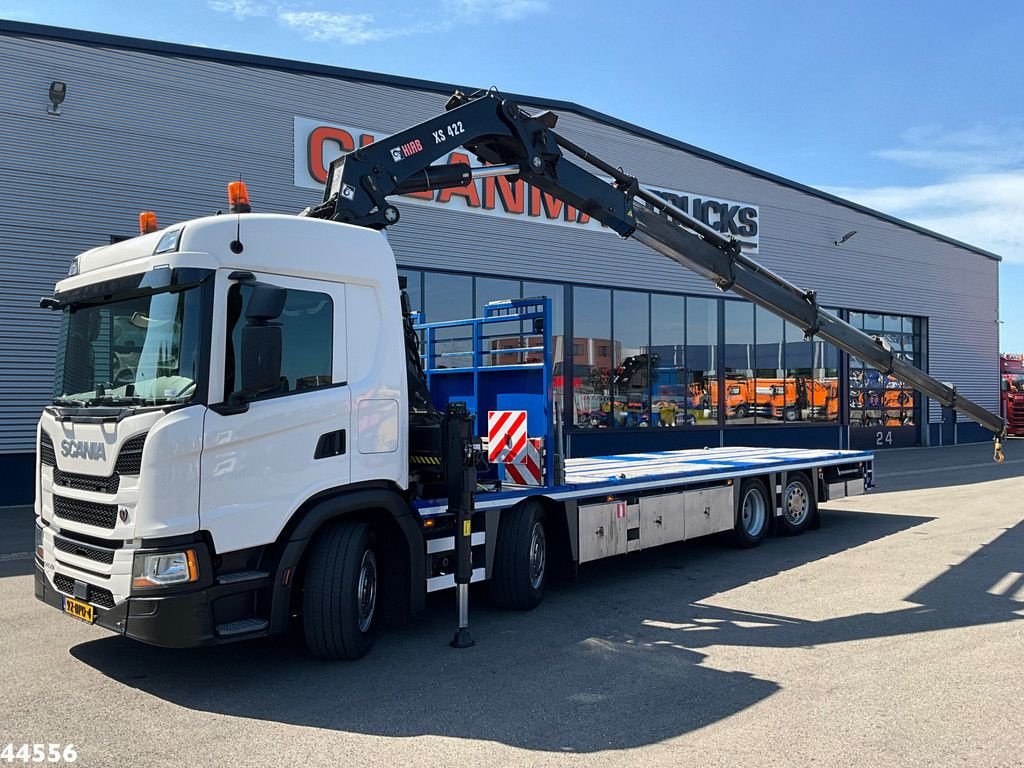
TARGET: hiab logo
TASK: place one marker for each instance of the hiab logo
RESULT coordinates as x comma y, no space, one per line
318,144
406,150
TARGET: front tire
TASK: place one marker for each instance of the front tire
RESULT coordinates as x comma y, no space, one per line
753,514
521,555
341,597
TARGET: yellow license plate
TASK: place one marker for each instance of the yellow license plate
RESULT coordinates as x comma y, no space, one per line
78,609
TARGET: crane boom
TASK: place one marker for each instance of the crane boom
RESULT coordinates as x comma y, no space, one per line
518,144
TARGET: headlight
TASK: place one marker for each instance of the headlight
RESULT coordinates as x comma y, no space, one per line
164,569
39,542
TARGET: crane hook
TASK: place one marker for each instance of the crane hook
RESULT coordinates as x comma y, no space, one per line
998,457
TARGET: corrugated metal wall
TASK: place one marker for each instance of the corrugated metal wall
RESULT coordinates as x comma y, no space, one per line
166,132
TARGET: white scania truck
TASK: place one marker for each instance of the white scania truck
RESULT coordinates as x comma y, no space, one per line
244,433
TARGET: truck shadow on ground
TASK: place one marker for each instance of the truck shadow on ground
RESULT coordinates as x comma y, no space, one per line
605,663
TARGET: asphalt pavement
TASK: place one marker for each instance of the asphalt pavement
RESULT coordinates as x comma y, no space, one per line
892,636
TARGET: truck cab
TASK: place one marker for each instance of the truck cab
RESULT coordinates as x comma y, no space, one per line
214,382
1011,372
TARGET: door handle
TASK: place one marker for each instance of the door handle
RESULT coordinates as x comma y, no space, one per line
330,444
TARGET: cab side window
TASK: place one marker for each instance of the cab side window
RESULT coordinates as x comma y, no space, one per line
307,339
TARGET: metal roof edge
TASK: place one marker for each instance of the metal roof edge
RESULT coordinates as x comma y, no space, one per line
252,59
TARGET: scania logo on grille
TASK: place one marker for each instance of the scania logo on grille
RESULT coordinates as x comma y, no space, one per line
122,512
81,449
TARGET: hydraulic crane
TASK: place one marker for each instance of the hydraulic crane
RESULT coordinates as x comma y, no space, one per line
515,143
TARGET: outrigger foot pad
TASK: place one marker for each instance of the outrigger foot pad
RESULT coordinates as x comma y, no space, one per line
462,639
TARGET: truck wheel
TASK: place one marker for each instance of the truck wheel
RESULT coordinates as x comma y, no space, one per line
752,515
340,595
520,569
798,505
741,411
790,414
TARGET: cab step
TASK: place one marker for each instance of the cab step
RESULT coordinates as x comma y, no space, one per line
237,576
243,627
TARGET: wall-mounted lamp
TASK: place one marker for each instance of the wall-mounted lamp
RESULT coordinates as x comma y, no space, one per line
846,237
58,92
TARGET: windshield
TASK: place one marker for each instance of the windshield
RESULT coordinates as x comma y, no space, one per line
1016,381
135,351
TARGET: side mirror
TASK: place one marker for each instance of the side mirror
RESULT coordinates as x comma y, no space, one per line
1004,385
261,359
266,303
261,340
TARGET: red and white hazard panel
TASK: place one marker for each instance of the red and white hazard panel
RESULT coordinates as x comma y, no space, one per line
506,437
529,471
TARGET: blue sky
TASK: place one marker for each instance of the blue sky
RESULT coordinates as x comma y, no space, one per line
913,108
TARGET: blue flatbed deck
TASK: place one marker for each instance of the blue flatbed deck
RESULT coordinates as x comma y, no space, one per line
639,472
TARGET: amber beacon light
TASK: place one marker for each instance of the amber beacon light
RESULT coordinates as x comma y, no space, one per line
238,197
147,222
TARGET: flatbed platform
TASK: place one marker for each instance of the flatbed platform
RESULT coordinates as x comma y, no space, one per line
638,472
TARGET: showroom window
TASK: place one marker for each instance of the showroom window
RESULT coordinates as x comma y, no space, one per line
631,375
659,368
556,293
773,374
670,399
702,358
738,364
448,297
592,330
444,296
812,378
769,397
414,287
877,399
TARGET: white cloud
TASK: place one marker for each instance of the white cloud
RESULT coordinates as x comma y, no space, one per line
509,10
345,28
355,28
980,197
973,150
240,9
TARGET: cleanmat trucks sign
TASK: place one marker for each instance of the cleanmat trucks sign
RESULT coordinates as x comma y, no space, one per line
318,143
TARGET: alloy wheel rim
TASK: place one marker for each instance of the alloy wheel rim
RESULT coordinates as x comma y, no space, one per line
366,590
797,503
538,555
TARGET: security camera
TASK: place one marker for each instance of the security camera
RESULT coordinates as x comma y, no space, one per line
58,92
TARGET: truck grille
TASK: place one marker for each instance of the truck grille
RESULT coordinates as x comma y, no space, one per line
46,452
86,512
129,459
96,554
86,482
95,595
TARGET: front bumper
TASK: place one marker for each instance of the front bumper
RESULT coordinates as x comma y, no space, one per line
170,621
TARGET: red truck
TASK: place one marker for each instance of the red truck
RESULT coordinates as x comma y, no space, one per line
1011,370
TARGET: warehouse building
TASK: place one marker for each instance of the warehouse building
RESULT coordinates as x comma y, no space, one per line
648,355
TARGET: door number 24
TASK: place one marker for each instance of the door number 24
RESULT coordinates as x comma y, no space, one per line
883,438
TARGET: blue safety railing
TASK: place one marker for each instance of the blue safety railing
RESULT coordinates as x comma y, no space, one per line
499,362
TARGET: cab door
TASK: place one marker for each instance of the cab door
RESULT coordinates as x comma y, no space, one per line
280,431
